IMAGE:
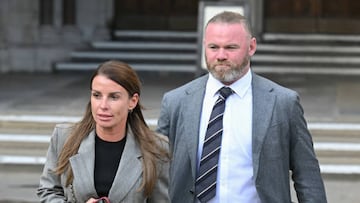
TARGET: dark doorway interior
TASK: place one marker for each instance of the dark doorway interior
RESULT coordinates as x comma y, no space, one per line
155,14
312,16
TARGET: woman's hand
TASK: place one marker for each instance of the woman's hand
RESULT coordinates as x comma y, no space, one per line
100,200
91,200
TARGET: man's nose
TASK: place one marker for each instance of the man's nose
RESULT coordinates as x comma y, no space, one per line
222,55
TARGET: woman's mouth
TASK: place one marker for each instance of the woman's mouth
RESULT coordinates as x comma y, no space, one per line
104,117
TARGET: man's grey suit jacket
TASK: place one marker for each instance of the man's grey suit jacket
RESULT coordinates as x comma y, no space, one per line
281,142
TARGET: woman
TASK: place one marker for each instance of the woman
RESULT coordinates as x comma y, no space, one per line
111,153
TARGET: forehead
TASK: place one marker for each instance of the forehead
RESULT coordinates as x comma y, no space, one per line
225,30
103,82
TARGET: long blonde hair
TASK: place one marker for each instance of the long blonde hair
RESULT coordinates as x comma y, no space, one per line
149,143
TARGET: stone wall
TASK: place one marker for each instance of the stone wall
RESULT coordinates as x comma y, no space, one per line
26,46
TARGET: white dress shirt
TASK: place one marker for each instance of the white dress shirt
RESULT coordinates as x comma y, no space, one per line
235,181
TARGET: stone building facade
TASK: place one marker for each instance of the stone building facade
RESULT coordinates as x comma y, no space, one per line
34,34
32,38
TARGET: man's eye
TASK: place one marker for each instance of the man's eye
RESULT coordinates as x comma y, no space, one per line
212,46
231,48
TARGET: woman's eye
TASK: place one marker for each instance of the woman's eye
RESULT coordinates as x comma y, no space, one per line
96,95
114,97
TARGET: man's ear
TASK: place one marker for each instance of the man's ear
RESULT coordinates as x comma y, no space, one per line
252,46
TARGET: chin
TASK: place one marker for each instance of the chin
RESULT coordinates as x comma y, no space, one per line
222,68
104,124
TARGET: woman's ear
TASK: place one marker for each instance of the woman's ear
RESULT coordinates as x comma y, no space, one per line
134,99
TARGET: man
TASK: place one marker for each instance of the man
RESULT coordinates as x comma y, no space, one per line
263,134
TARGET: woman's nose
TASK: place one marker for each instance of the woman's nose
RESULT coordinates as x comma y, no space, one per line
103,103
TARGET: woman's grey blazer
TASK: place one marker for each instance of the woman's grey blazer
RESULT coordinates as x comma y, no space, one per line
126,183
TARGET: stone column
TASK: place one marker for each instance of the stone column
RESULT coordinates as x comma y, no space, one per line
4,63
257,15
58,15
93,18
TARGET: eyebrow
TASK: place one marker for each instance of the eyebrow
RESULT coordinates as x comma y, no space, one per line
117,92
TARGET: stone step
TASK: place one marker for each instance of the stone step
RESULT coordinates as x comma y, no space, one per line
32,124
340,170
336,144
158,35
85,66
39,124
337,153
278,58
163,51
186,68
328,135
176,51
153,46
24,148
306,60
36,163
18,141
303,49
44,124
310,38
36,145
139,56
294,69
323,54
326,160
306,49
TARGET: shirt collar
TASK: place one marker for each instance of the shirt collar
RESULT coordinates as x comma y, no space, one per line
240,87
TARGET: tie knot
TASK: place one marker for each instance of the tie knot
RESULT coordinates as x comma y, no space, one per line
225,92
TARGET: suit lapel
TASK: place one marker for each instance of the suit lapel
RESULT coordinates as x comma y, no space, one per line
129,170
263,105
82,165
191,115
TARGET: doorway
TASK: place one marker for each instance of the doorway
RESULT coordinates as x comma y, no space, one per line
156,14
312,16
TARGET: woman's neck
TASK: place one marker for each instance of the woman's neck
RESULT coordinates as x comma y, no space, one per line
111,134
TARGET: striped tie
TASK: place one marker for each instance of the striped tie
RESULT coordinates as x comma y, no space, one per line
205,185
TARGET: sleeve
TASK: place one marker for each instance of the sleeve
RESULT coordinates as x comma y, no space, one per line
164,118
161,192
305,168
50,188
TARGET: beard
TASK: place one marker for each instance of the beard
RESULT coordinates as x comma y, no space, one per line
231,72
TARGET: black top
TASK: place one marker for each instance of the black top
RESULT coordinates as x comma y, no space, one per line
107,159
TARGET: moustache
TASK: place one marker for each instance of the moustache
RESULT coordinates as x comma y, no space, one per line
222,64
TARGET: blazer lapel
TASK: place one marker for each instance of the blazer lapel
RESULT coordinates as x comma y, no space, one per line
263,104
129,170
191,115
82,165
